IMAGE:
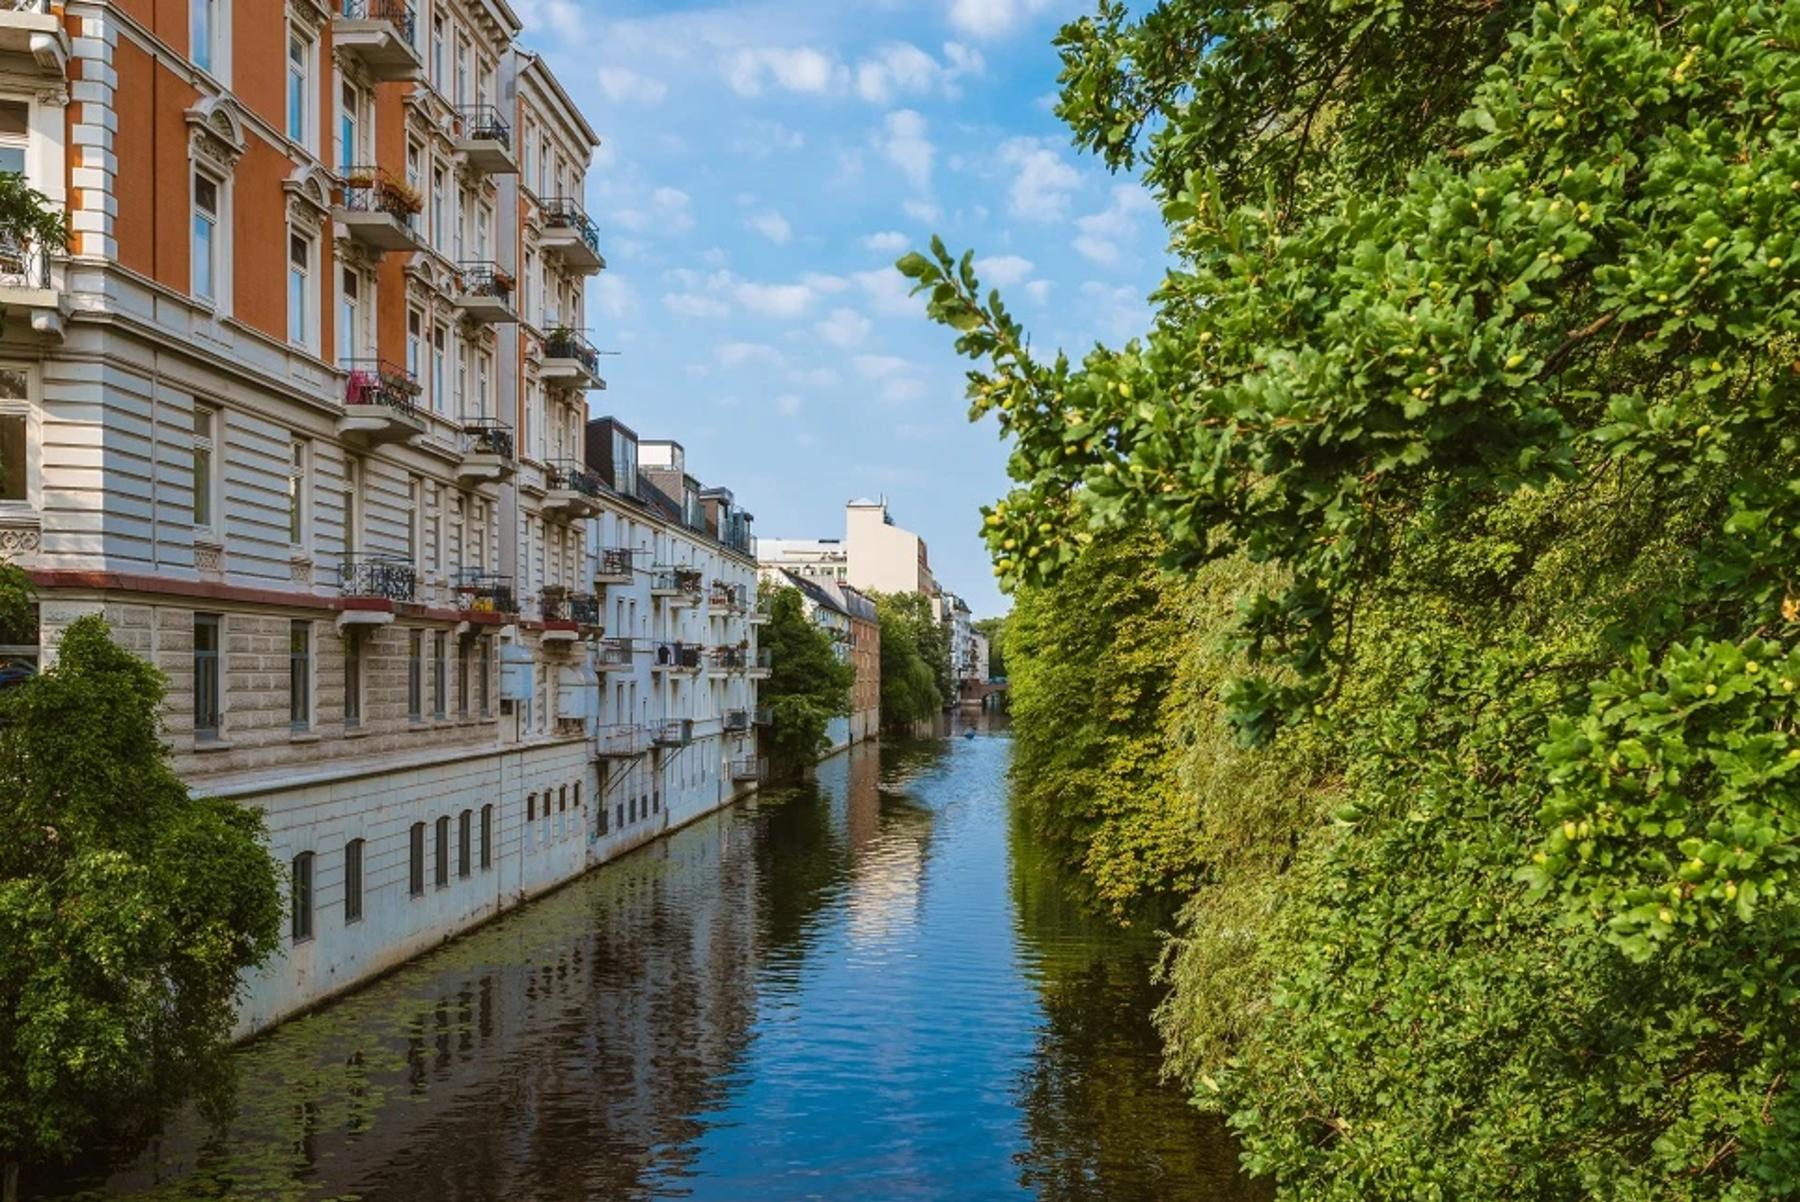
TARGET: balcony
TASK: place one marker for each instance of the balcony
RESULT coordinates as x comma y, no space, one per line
662,582
746,771
759,612
737,721
567,616
615,567
764,715
484,293
378,212
571,490
729,598
370,586
26,288
677,733
761,664
621,742
570,235
689,584
381,35
381,404
28,27
616,655
678,657
727,660
570,361
487,452
484,140
486,600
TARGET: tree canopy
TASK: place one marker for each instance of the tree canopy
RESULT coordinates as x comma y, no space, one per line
128,909
808,684
1475,376
914,660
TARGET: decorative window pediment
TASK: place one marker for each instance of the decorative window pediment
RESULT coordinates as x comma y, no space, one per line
216,131
309,196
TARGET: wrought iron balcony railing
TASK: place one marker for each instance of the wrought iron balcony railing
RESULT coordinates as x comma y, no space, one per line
25,6
401,13
373,190
487,436
567,475
564,213
481,277
24,262
565,343
560,605
380,576
378,382
480,592
585,608
689,581
484,122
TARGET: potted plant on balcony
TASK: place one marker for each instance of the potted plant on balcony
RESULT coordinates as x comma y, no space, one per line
400,198
29,219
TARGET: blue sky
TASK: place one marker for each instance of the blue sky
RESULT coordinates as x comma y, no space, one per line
764,165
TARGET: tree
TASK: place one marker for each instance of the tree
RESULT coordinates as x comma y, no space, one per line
1479,350
994,630
128,909
808,684
913,660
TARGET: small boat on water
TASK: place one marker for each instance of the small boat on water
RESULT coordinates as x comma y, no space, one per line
969,734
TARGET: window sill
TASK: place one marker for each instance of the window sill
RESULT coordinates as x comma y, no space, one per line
211,745
305,736
357,732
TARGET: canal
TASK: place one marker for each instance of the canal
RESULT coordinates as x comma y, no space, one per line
870,987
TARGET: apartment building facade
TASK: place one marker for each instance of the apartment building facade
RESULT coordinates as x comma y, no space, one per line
301,412
876,553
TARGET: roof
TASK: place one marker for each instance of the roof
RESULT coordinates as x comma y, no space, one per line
817,595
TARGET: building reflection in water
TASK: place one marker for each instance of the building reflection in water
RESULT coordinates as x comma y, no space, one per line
838,989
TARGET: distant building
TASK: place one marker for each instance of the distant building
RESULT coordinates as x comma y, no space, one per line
982,651
875,555
865,654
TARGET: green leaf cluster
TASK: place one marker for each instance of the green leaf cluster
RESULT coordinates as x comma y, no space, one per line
808,684
915,661
1467,437
128,909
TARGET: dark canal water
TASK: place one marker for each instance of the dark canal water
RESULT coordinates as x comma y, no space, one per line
870,988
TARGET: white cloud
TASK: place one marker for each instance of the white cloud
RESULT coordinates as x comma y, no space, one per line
816,377
902,69
887,243
695,304
922,211
771,225
760,139
741,354
993,18
902,390
623,85
1102,233
562,18
965,59
831,285
669,211
787,404
904,143
1042,181
801,69
881,367
1119,311
1003,271
1038,291
775,300
889,292
844,328
612,296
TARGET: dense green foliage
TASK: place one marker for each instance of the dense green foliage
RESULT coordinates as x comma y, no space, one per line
808,685
1470,409
994,630
127,908
915,664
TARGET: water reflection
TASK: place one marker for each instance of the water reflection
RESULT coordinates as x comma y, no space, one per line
872,985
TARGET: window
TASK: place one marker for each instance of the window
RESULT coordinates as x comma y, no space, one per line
487,837
206,676
481,676
415,493
464,843
203,32
415,340
349,131
482,220
205,238
297,492
562,800
299,91
302,897
300,674
440,209
530,807
14,481
482,373
352,504
601,815
439,667
353,674
415,683
416,879
462,72
353,881
206,424
441,856
544,170
15,135
300,326
440,396
349,331
437,51
465,669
